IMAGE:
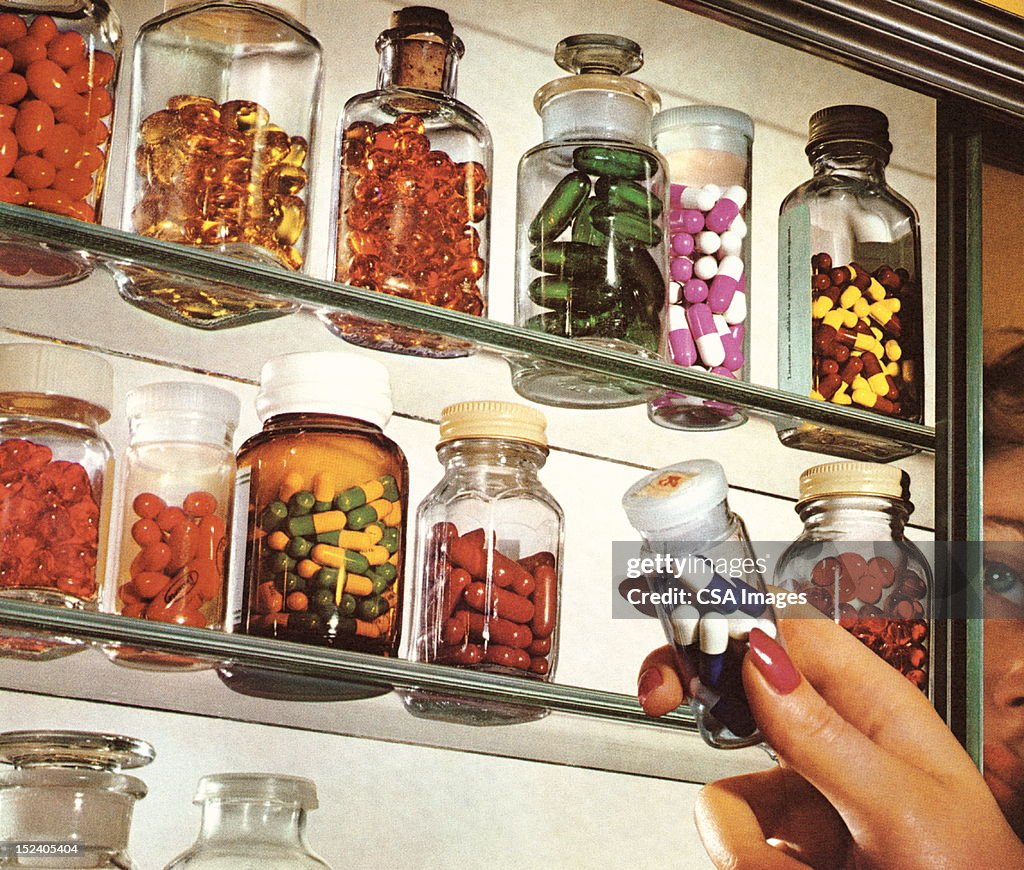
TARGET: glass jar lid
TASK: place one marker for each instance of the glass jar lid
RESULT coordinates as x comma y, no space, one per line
852,478
681,495
182,397
257,787
79,750
46,371
509,421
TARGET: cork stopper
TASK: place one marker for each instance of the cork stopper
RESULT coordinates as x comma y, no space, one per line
420,49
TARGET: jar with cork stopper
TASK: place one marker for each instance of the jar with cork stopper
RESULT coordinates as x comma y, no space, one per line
224,103
413,176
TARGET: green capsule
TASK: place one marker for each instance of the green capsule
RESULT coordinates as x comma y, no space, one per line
550,291
356,562
322,600
348,604
320,506
583,229
346,625
645,276
304,622
298,548
611,324
628,196
390,488
626,226
331,538
350,498
388,571
560,207
379,583
293,583
301,503
359,518
550,322
371,608
614,162
273,515
569,259
278,562
327,579
389,540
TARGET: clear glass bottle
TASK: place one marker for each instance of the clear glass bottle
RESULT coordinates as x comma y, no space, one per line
55,470
856,566
707,149
179,474
252,820
856,338
225,95
67,793
590,251
60,64
490,607
414,181
327,497
707,589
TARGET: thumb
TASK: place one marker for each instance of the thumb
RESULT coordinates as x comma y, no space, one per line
810,736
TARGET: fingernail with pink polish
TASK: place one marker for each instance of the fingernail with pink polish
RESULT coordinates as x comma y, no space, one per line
773,662
648,682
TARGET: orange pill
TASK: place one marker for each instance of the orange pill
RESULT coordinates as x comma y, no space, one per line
199,504
66,49
102,68
6,61
8,151
34,126
80,76
76,112
8,114
207,577
11,27
210,542
82,211
296,601
76,183
100,102
99,134
152,558
13,88
53,201
43,28
27,50
149,584
13,191
182,541
35,171
91,159
170,518
145,532
65,146
147,505
48,82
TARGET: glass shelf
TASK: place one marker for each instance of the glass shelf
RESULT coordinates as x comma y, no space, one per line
109,245
583,728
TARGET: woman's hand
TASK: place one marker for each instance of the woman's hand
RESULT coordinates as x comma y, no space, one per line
871,776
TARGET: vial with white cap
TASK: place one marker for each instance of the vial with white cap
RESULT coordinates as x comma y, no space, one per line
851,324
326,492
706,587
178,479
488,558
56,470
224,103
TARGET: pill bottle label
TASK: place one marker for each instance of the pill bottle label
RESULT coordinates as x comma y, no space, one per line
236,559
795,301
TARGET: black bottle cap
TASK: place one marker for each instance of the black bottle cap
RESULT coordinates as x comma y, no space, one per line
853,124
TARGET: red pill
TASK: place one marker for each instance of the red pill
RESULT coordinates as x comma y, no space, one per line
49,82
64,148
501,602
869,588
821,599
100,102
199,504
296,601
181,541
34,170
147,505
67,49
822,262
545,600
91,159
102,69
453,631
531,563
99,134
170,518
207,578
507,656
13,191
13,88
911,584
883,569
26,50
152,558
826,572
540,646
8,114
11,27
34,126
54,201
470,654
540,666
130,594
43,28
150,583
145,532
76,183
854,565
498,631
456,586
8,152
6,61
210,532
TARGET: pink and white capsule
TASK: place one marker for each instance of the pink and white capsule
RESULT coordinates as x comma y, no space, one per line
708,242
675,195
723,285
681,268
695,291
705,267
726,210
701,198
705,335
732,341
680,339
732,243
682,244
691,220
737,310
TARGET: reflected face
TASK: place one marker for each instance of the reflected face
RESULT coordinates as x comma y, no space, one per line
1004,631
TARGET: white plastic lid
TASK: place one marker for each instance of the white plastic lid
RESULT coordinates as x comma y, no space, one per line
52,370
257,787
711,128
169,397
675,496
295,8
325,382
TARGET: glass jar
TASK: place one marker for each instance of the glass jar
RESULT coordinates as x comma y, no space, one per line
224,104
414,179
857,338
67,794
179,474
60,62
707,149
590,252
855,565
327,497
252,820
705,583
488,558
54,469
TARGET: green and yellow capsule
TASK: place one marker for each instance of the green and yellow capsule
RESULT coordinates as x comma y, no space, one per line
560,207
614,162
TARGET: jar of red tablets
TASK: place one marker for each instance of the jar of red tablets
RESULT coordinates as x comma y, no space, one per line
54,484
